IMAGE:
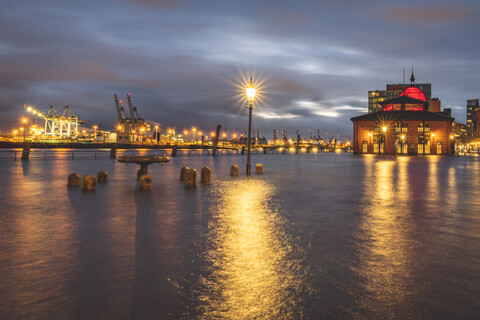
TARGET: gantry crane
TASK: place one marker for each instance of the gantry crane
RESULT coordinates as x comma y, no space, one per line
62,124
129,128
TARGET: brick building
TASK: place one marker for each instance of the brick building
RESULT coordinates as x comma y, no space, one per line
404,126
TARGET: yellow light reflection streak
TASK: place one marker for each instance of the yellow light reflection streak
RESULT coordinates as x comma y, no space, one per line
252,268
384,257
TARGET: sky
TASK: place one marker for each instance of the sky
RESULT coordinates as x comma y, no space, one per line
185,63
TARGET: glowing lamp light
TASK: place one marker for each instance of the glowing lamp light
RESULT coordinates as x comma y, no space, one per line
433,135
251,91
384,129
185,132
24,120
403,137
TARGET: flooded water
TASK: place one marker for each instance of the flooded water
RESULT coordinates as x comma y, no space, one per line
317,236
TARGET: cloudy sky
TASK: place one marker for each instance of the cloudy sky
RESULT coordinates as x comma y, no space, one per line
185,61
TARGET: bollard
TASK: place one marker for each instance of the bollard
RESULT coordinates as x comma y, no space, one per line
145,182
102,176
113,152
191,178
183,172
259,168
25,151
89,183
234,171
74,180
206,175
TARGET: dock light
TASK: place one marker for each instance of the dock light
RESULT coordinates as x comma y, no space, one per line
84,131
369,134
199,133
212,134
384,129
224,135
403,137
451,136
29,109
234,136
185,132
433,135
250,91
170,131
119,128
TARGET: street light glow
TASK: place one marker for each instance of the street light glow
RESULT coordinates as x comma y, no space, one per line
251,92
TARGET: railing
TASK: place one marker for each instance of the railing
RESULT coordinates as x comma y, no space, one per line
79,154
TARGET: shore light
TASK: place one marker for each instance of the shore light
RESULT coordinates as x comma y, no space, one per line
250,91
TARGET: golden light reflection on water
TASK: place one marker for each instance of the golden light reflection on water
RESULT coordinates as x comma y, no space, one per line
432,193
253,271
384,256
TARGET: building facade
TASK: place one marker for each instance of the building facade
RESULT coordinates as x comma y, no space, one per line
404,126
377,97
472,107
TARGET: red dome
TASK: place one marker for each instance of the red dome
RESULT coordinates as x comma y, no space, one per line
413,92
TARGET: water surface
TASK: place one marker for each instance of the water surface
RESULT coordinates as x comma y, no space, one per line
316,236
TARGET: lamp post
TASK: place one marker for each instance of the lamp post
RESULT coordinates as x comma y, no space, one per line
433,144
156,134
369,138
194,129
384,129
251,91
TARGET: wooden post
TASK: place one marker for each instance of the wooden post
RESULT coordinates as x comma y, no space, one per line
215,140
25,151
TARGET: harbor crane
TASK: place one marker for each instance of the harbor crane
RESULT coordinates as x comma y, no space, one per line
62,124
132,127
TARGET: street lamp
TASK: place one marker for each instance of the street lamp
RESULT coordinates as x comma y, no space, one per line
194,129
403,143
370,138
251,91
156,134
433,144
384,129
95,132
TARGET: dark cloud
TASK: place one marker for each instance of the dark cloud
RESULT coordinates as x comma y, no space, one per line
183,61
424,15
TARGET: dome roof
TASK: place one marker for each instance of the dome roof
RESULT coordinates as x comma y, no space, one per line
414,92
